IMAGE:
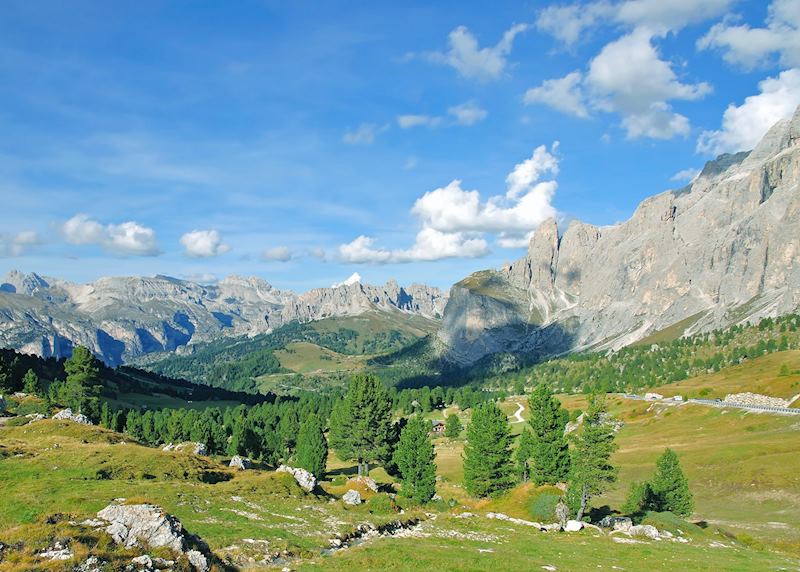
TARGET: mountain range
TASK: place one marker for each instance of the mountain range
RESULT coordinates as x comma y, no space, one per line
723,250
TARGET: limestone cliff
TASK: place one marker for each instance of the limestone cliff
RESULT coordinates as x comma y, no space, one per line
723,250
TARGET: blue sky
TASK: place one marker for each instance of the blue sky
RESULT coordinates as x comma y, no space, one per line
302,142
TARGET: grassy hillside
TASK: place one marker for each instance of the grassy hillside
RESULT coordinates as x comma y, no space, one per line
295,355
59,467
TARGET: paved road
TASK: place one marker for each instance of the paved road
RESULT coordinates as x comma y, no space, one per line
716,403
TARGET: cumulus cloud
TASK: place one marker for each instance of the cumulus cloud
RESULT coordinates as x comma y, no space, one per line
685,175
17,244
204,278
468,113
365,134
564,94
751,47
126,239
572,22
470,60
569,23
627,77
744,125
277,254
454,221
203,244
430,244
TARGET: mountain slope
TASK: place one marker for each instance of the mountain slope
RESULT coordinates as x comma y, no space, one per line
721,251
123,317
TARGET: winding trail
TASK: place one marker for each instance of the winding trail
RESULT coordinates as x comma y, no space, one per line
518,414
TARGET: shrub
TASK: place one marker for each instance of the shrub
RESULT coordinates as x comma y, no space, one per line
382,503
542,505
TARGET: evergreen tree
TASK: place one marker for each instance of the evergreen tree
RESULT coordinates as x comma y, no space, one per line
592,472
550,448
523,454
669,487
106,417
414,458
312,447
82,388
361,423
487,454
453,426
30,382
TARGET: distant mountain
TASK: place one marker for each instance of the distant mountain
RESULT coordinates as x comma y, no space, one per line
123,317
721,251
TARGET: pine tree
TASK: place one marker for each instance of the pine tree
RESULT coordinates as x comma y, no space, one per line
312,447
669,487
82,388
487,454
414,458
30,382
548,419
592,472
522,455
453,426
361,423
106,417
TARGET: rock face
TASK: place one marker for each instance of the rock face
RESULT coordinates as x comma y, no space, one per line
721,251
124,317
149,526
305,479
70,416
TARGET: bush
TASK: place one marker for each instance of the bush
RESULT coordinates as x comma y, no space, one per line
382,503
542,504
574,414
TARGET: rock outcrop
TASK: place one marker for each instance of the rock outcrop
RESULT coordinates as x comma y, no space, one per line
120,318
305,480
721,251
351,498
67,414
148,526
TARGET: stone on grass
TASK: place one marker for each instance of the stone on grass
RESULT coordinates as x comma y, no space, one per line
621,523
573,526
368,482
352,497
241,463
306,480
645,530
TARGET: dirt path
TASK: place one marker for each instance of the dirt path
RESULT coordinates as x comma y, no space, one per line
518,414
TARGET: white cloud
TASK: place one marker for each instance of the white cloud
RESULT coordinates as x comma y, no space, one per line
468,113
408,121
17,244
354,278
661,17
364,135
454,221
126,239
627,77
572,22
743,126
277,254
318,253
472,61
203,244
564,94
511,240
525,174
751,47
569,23
361,251
430,244
686,175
